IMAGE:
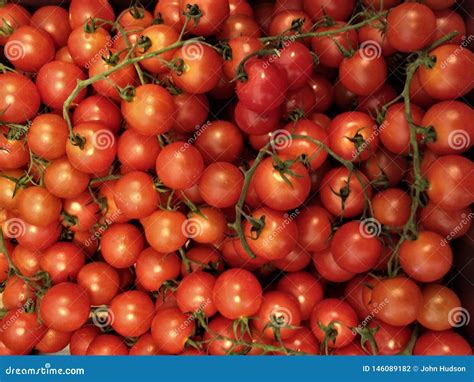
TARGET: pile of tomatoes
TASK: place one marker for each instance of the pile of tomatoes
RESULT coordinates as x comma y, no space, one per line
211,177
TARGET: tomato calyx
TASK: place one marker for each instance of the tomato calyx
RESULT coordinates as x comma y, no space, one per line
137,11
367,336
128,93
144,43
192,12
330,335
6,29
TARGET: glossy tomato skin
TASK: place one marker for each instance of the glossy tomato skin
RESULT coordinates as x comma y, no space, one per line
314,228
336,313
100,109
385,167
221,340
396,300
296,61
132,313
295,261
101,282
24,332
450,178
410,27
447,223
39,237
159,110
392,207
56,81
214,14
164,230
390,340
63,261
153,268
179,158
274,242
447,78
99,149
85,46
14,16
363,74
135,195
195,294
337,10
65,307
54,20
29,48
354,249
25,260
36,205
47,136
279,313
82,338
265,87
441,343
171,329
449,119
327,50
426,259
121,244
448,21
53,341
201,69
136,151
82,10
63,180
19,98
107,344
237,293
271,184
305,288
337,180
359,127
436,311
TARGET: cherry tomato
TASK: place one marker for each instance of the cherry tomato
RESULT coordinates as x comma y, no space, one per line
439,307
441,343
164,230
19,100
62,261
65,307
107,344
195,294
392,207
337,10
100,109
82,338
24,332
101,282
62,180
154,268
82,10
221,337
121,244
53,341
55,21
171,329
37,206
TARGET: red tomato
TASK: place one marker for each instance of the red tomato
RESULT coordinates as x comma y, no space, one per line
132,313
100,109
107,344
101,282
121,244
440,308
19,100
214,14
195,294
82,338
54,20
164,230
441,343
171,329
24,331
13,16
237,293
82,10
62,261
65,307
336,9
332,321
154,268
392,207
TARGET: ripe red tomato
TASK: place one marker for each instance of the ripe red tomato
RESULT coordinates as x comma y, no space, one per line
396,301
195,294
154,268
448,78
29,48
392,207
410,27
62,261
438,308
36,205
55,21
390,340
450,121
62,180
149,111
364,72
279,313
24,332
332,321
65,307
353,135
451,224
450,178
25,260
164,230
354,248
121,244
47,136
214,14
337,10
296,61
13,16
100,280
53,341
314,228
427,258
100,109
19,100
82,338
279,188
107,344
342,195
171,329
132,313
305,288
82,10
201,68
56,81
87,46
265,86
237,293
441,343
221,337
